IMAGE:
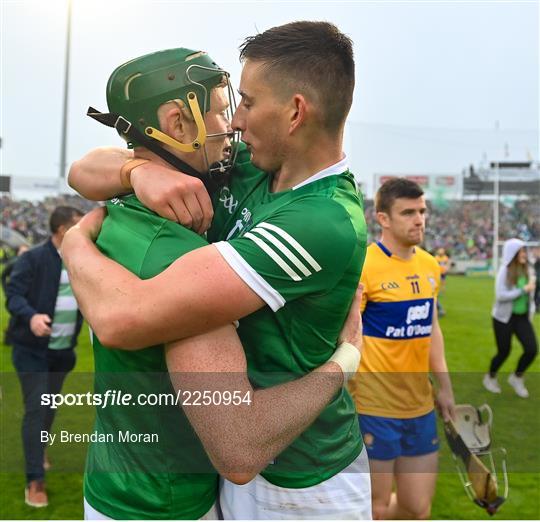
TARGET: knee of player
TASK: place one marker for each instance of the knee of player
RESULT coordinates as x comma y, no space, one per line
422,511
379,510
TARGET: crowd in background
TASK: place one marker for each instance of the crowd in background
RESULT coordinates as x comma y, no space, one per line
31,219
465,228
462,228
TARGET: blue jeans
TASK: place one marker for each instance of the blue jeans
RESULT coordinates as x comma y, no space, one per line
39,371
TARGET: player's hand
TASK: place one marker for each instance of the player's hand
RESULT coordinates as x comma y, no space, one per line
173,195
446,405
90,224
40,324
352,329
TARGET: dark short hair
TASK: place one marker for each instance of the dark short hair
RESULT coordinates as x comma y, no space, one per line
63,216
393,189
308,57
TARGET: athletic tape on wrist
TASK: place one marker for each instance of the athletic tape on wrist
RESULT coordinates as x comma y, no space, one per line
125,171
347,356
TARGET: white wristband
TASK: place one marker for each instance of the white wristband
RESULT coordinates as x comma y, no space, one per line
347,356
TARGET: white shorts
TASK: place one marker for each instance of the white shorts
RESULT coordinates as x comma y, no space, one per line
92,514
345,496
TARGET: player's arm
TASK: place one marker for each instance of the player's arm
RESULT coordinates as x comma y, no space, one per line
197,293
171,194
96,176
439,369
242,439
362,297
206,288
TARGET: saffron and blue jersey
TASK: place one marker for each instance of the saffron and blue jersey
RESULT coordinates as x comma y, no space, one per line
398,303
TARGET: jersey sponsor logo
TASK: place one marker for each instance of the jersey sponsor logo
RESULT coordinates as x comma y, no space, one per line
414,313
240,224
398,319
117,201
413,330
228,200
390,285
284,250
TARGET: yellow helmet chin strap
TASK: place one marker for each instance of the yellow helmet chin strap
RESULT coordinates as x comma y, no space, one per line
197,143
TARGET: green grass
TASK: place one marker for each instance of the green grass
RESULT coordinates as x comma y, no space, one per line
469,347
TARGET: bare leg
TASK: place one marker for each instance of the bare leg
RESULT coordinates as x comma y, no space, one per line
382,478
415,487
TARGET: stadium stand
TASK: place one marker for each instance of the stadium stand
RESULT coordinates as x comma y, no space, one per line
31,219
463,228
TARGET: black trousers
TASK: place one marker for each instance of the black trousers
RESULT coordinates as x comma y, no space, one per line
522,328
39,372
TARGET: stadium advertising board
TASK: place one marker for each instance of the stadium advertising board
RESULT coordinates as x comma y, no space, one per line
436,186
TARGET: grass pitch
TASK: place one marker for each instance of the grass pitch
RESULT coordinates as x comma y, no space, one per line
469,347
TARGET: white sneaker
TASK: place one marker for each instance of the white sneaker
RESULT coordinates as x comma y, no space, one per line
518,385
491,384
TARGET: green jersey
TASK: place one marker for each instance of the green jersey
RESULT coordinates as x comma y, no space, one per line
166,474
301,251
521,304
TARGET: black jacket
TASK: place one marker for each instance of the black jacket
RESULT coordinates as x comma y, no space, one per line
33,289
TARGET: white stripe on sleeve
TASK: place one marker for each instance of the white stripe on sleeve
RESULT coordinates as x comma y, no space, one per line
299,248
284,249
256,282
275,257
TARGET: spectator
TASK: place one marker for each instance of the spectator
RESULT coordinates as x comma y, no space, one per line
443,260
512,314
45,326
8,268
30,218
537,274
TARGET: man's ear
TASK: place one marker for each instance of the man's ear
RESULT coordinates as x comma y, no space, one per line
175,121
383,219
61,231
299,109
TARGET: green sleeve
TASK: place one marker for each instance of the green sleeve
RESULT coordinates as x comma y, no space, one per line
304,248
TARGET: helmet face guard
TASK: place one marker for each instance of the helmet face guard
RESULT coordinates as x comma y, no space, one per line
137,89
469,438
226,164
198,109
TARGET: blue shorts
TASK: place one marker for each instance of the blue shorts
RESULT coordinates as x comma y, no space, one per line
387,438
